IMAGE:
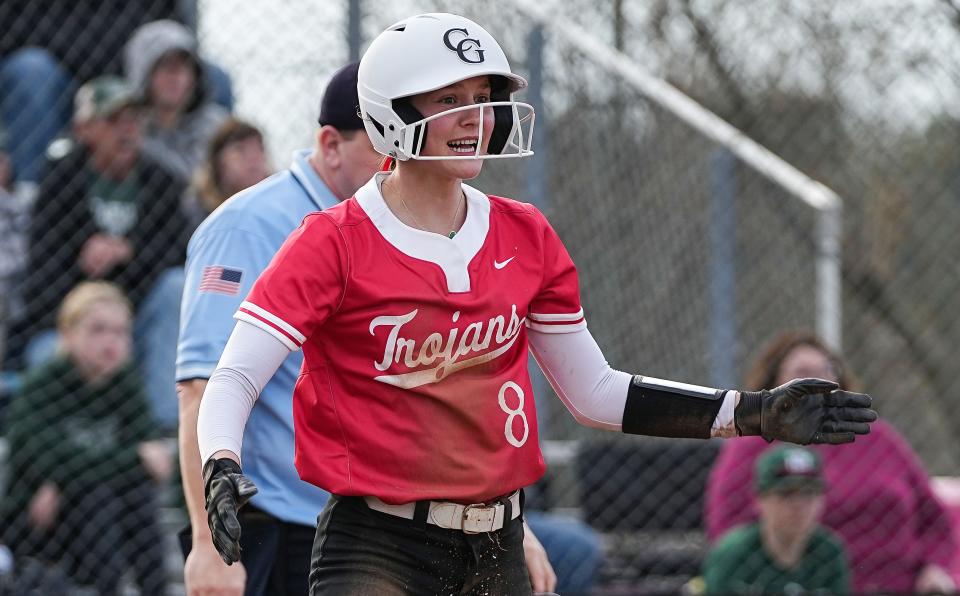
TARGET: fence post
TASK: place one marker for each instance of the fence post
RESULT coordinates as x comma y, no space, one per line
537,182
354,16
536,188
188,12
723,324
829,288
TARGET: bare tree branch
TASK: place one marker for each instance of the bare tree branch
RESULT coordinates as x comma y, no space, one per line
953,7
707,42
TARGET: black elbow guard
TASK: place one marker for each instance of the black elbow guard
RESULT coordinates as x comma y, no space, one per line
660,408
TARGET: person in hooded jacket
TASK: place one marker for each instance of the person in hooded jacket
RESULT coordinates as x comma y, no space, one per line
106,211
43,61
162,63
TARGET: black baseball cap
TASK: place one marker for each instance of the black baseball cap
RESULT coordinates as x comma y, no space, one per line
340,107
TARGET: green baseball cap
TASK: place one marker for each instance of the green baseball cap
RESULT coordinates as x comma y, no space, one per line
103,96
789,468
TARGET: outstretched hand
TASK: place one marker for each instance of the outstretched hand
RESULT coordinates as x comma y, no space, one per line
804,411
226,490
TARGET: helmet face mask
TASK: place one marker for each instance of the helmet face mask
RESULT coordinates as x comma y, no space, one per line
516,138
429,52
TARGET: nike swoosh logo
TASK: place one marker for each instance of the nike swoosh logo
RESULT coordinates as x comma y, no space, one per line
502,264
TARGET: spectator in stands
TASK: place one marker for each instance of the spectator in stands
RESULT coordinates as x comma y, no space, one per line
896,531
786,551
573,548
13,242
46,49
161,61
106,211
236,159
83,453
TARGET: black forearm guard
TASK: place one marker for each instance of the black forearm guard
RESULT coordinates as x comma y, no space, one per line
665,409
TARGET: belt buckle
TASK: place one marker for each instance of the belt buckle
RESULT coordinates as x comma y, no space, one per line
479,512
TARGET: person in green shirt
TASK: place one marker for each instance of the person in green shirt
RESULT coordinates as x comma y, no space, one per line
83,453
787,551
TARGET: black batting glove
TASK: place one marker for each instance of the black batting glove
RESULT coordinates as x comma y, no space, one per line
226,490
804,411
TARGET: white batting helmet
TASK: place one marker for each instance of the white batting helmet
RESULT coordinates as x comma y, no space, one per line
428,52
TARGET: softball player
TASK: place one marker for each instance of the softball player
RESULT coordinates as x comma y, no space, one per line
415,303
232,247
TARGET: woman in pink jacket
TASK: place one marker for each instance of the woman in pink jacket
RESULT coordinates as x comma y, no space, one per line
896,531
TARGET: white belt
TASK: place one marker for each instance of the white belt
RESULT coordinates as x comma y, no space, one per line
470,519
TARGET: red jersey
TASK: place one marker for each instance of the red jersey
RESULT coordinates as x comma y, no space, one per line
414,383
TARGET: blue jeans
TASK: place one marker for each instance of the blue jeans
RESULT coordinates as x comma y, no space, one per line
219,85
574,550
35,105
41,347
156,328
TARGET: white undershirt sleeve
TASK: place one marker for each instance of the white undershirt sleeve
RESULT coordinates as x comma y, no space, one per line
575,367
723,425
249,361
594,392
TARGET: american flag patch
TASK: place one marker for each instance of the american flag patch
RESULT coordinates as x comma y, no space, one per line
221,280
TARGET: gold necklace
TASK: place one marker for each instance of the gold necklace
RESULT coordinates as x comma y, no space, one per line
452,224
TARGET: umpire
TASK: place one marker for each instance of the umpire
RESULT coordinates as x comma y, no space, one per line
224,258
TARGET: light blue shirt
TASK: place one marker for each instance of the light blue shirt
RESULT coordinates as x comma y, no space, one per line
241,237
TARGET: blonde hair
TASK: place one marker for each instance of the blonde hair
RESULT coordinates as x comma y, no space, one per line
78,301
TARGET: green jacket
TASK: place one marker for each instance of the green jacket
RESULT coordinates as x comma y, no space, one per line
76,435
739,564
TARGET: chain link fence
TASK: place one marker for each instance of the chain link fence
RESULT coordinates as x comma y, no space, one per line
691,259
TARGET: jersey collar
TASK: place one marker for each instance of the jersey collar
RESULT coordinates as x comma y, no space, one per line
452,255
304,173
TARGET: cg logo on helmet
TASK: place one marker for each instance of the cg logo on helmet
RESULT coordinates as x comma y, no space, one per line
466,44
